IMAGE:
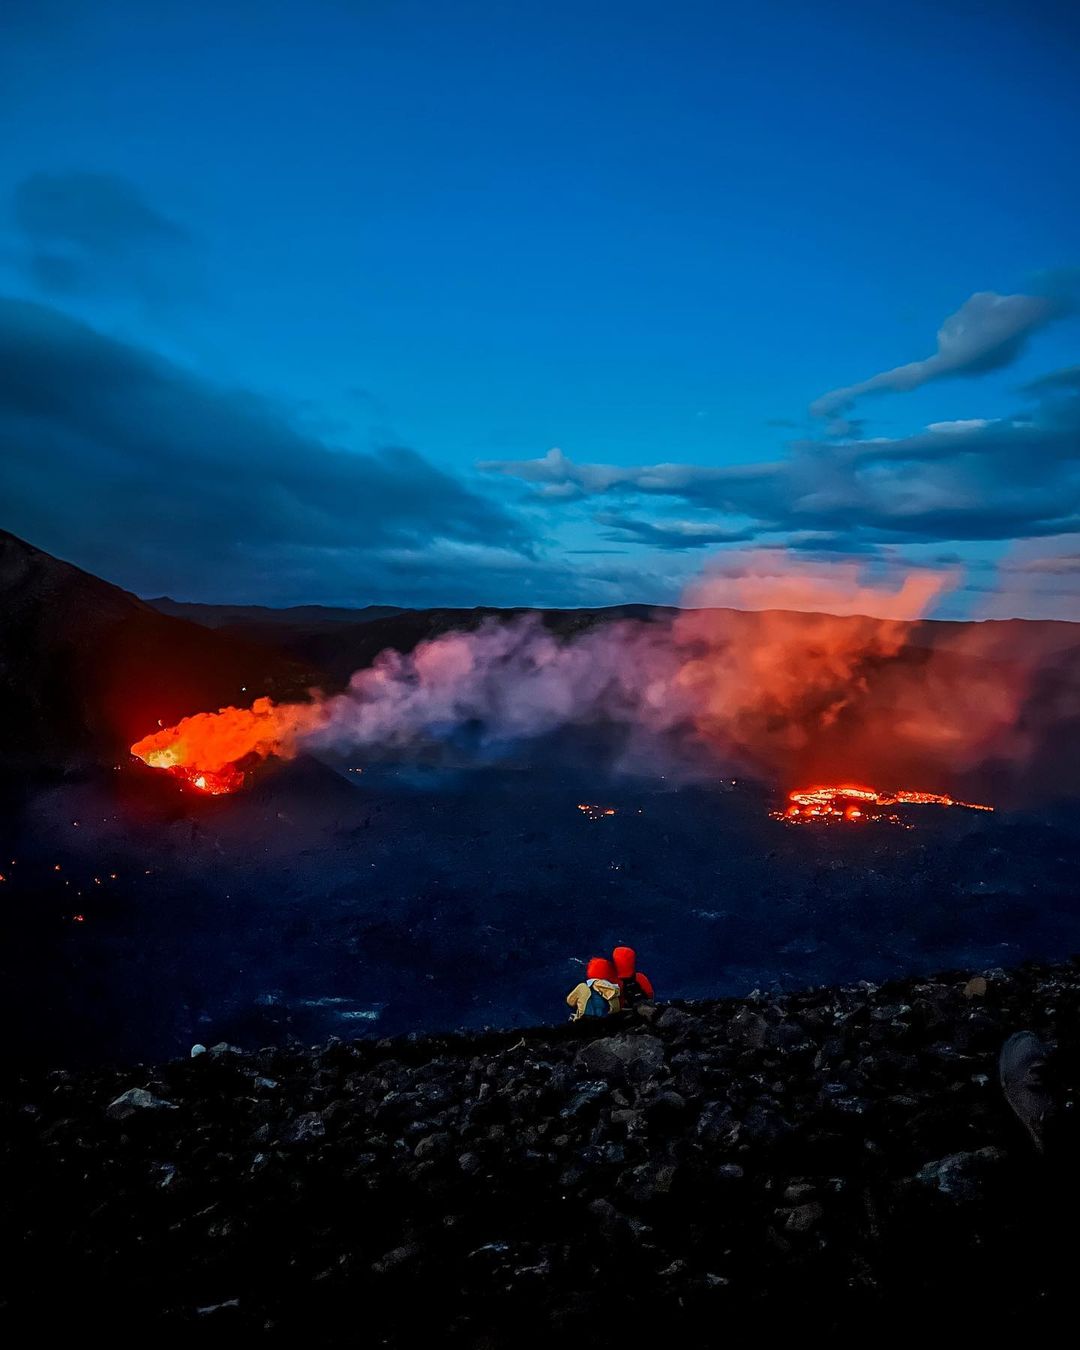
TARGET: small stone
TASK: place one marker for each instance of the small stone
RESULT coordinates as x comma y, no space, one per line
164,1175
803,1217
397,1258
211,1308
583,1098
960,1176
137,1101
717,1128
304,1128
749,1028
665,1107
433,1146
975,987
629,1117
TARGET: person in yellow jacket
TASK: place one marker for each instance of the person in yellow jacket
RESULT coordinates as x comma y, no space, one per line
597,994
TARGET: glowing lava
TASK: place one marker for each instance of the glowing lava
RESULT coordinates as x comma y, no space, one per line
593,812
852,803
205,750
215,784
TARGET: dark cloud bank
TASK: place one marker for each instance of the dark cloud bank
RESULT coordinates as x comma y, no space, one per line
974,479
93,233
156,478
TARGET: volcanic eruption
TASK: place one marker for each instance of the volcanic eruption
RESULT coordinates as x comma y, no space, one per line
844,687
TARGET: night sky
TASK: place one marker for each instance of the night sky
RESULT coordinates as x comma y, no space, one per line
467,302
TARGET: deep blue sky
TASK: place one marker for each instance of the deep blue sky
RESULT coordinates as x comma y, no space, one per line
297,295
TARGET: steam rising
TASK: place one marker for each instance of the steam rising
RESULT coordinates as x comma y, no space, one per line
790,693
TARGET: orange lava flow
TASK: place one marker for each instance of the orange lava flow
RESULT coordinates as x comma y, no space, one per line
205,750
852,802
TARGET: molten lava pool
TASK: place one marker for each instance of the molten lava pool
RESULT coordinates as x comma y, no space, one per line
854,803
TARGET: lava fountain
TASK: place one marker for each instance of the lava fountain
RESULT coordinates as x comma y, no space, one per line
207,749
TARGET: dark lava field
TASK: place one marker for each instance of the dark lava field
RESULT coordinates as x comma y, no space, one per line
326,901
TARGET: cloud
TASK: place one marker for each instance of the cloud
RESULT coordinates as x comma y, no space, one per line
669,534
1060,565
92,232
1065,381
987,332
101,213
967,479
1037,579
556,477
138,469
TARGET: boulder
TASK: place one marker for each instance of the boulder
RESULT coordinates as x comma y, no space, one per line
674,1019
632,1057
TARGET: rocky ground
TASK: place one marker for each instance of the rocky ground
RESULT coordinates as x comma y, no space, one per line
837,1160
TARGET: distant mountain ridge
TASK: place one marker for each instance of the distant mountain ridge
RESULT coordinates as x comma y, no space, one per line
221,616
338,641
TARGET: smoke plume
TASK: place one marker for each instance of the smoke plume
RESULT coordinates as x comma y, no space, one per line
827,676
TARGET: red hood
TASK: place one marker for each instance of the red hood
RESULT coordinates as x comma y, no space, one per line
599,968
625,959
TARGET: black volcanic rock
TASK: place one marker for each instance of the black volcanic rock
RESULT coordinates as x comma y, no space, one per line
87,668
494,1189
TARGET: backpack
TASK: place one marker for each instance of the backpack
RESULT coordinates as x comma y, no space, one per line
632,992
597,1005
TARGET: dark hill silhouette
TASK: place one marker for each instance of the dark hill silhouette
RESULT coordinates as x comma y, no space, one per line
339,641
289,616
86,668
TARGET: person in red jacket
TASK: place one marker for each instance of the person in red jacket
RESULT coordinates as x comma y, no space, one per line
634,987
597,994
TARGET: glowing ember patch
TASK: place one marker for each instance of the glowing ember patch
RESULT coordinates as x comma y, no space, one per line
592,812
225,780
852,802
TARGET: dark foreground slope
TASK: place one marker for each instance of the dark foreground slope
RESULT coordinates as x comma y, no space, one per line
836,1160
